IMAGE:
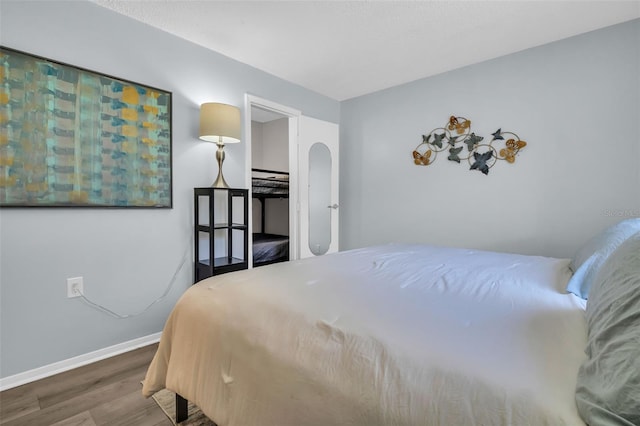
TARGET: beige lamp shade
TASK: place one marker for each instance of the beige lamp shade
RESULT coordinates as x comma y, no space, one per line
219,123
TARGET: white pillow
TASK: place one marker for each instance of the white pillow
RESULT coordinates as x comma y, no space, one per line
589,259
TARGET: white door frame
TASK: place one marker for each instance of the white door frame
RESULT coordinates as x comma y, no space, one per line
294,120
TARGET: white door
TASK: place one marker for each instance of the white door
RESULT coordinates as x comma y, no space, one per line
318,162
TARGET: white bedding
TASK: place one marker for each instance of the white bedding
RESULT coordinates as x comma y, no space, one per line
389,335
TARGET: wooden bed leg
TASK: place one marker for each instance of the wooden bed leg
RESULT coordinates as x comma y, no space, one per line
181,409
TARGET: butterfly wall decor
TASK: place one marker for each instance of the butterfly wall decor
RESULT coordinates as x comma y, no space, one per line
463,145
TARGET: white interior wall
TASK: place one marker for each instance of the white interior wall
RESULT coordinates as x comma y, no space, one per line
270,149
126,256
574,101
275,141
257,158
256,162
577,104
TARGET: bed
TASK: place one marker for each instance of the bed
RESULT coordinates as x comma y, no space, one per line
410,334
269,247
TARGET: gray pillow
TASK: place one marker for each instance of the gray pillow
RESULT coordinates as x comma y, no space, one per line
608,387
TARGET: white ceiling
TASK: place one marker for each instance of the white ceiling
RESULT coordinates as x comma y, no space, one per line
344,49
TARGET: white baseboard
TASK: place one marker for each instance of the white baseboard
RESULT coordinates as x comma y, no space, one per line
75,362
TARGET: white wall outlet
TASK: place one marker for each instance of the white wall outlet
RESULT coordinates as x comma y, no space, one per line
75,287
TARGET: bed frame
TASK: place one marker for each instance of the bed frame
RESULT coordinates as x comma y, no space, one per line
268,184
182,411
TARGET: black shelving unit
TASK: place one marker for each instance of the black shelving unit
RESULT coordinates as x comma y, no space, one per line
213,263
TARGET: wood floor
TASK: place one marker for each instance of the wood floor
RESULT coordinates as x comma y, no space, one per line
105,393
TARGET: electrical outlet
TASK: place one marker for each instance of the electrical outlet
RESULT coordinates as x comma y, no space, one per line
75,287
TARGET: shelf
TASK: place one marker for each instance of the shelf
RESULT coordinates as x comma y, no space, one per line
221,203
205,191
222,261
221,265
206,228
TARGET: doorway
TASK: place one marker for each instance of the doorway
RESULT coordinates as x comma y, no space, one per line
271,135
310,147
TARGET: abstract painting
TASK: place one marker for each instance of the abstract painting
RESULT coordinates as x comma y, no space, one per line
74,137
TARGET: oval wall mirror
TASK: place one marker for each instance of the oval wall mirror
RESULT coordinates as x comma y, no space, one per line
319,198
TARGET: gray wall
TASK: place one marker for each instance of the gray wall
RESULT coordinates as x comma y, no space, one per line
270,151
125,256
576,102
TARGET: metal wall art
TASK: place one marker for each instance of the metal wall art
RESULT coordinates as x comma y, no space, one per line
463,145
70,137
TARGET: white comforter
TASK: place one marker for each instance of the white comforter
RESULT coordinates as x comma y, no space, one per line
389,335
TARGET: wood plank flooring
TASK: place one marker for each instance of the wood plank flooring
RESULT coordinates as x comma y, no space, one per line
105,393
